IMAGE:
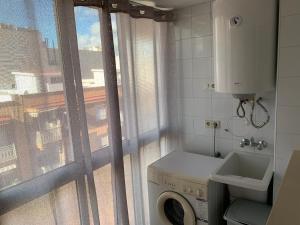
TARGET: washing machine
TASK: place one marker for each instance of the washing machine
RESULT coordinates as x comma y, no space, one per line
181,192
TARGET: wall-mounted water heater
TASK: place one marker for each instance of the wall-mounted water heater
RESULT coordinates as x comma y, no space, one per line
245,37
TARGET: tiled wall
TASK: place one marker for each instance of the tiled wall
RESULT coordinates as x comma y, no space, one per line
288,83
190,72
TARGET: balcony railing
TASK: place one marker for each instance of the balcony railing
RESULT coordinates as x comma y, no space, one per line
7,153
50,135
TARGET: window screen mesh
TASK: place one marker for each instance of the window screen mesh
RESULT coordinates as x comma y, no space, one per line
58,207
34,133
92,74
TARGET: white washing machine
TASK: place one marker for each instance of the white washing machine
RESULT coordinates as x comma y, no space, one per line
181,192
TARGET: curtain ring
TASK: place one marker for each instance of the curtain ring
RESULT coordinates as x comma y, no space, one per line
114,5
142,12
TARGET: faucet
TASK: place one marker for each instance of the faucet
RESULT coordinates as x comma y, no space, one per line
244,142
260,144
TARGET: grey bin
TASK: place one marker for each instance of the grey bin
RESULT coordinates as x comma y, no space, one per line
245,212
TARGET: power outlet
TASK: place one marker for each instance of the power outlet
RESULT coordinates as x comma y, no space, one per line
212,124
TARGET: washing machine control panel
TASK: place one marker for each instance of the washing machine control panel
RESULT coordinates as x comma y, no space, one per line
178,184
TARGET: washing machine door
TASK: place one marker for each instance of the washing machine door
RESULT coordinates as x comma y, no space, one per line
173,209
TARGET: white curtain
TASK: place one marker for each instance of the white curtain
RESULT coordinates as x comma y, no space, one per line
142,46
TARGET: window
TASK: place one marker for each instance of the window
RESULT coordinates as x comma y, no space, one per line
92,74
47,209
55,142
34,124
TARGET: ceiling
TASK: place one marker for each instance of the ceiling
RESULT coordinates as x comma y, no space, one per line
177,3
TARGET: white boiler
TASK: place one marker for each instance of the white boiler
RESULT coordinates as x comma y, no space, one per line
244,46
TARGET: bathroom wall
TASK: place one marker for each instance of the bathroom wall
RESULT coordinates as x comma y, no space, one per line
191,98
288,83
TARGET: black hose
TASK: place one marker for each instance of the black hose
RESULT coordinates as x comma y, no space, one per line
258,126
239,108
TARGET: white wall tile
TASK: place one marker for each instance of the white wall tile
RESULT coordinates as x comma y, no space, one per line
288,110
177,52
288,119
225,124
197,107
222,108
201,25
188,125
205,107
289,31
281,165
286,143
221,95
185,27
289,91
288,7
172,51
202,47
222,111
196,70
224,146
186,49
199,126
198,144
187,88
200,88
288,61
183,13
173,71
202,67
187,71
200,9
174,88
242,128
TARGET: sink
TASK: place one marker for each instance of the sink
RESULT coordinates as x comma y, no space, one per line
247,175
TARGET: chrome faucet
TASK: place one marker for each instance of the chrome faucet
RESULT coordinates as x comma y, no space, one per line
260,144
244,142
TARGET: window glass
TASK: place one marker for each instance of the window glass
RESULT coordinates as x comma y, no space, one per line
145,74
34,132
49,209
103,182
92,74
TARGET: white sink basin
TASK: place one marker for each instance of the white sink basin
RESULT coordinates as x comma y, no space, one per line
247,174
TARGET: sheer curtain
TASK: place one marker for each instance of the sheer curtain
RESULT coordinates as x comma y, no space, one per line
143,53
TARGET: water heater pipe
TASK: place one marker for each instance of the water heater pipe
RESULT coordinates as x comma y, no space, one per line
241,113
258,102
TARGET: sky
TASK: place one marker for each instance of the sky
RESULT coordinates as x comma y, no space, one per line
40,15
88,28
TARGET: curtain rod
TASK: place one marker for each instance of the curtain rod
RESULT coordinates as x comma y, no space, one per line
134,9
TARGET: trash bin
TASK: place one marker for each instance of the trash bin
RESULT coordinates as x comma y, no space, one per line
246,212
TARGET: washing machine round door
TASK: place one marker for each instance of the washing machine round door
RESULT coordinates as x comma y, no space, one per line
173,209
